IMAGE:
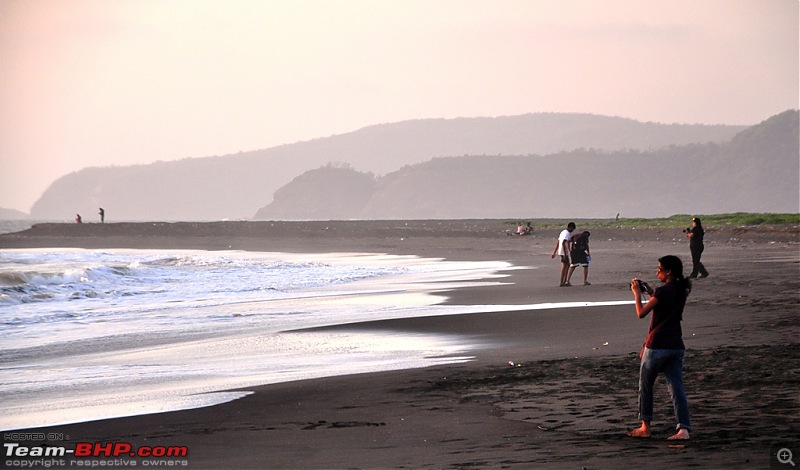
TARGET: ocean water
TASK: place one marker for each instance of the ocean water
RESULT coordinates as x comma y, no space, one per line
9,226
91,334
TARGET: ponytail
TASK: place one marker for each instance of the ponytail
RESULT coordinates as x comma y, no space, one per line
685,284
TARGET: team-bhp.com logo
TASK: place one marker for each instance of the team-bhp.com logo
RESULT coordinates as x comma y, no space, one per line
92,454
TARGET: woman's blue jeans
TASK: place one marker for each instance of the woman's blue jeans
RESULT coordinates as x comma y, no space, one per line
670,363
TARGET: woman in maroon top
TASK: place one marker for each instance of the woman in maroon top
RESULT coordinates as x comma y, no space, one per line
663,349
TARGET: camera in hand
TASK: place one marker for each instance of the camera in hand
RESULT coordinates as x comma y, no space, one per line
687,230
642,285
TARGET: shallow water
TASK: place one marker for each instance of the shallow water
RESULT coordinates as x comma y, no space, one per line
90,334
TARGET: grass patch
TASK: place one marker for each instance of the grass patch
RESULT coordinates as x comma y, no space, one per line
737,219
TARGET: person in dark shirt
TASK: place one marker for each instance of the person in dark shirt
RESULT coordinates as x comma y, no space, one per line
580,256
528,229
696,234
663,350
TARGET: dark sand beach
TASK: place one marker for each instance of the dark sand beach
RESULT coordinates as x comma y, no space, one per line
572,392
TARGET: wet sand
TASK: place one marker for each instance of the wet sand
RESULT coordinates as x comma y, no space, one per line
568,399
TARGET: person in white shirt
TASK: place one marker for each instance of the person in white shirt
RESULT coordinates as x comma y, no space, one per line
562,249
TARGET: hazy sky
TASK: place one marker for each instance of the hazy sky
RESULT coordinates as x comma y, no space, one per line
117,82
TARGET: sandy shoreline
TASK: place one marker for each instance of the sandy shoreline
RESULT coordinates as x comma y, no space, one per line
567,405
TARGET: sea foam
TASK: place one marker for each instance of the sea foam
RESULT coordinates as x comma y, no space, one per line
91,334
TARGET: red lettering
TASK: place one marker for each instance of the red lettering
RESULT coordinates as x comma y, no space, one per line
102,449
116,449
121,448
83,449
181,451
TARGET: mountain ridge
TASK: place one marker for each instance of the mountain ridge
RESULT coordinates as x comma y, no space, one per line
698,178
236,186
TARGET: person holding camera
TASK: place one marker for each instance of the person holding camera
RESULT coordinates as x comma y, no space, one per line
663,350
695,233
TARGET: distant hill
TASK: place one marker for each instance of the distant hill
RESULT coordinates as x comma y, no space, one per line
758,170
236,186
11,214
330,193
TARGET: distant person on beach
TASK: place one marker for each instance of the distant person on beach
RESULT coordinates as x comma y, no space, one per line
78,219
580,256
528,229
102,215
695,234
663,350
562,249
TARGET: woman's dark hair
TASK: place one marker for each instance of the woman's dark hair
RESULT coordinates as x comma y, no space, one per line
674,265
697,221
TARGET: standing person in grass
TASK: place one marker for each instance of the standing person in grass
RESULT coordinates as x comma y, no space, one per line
663,350
562,249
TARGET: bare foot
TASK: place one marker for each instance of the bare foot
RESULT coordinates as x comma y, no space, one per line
681,435
640,432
